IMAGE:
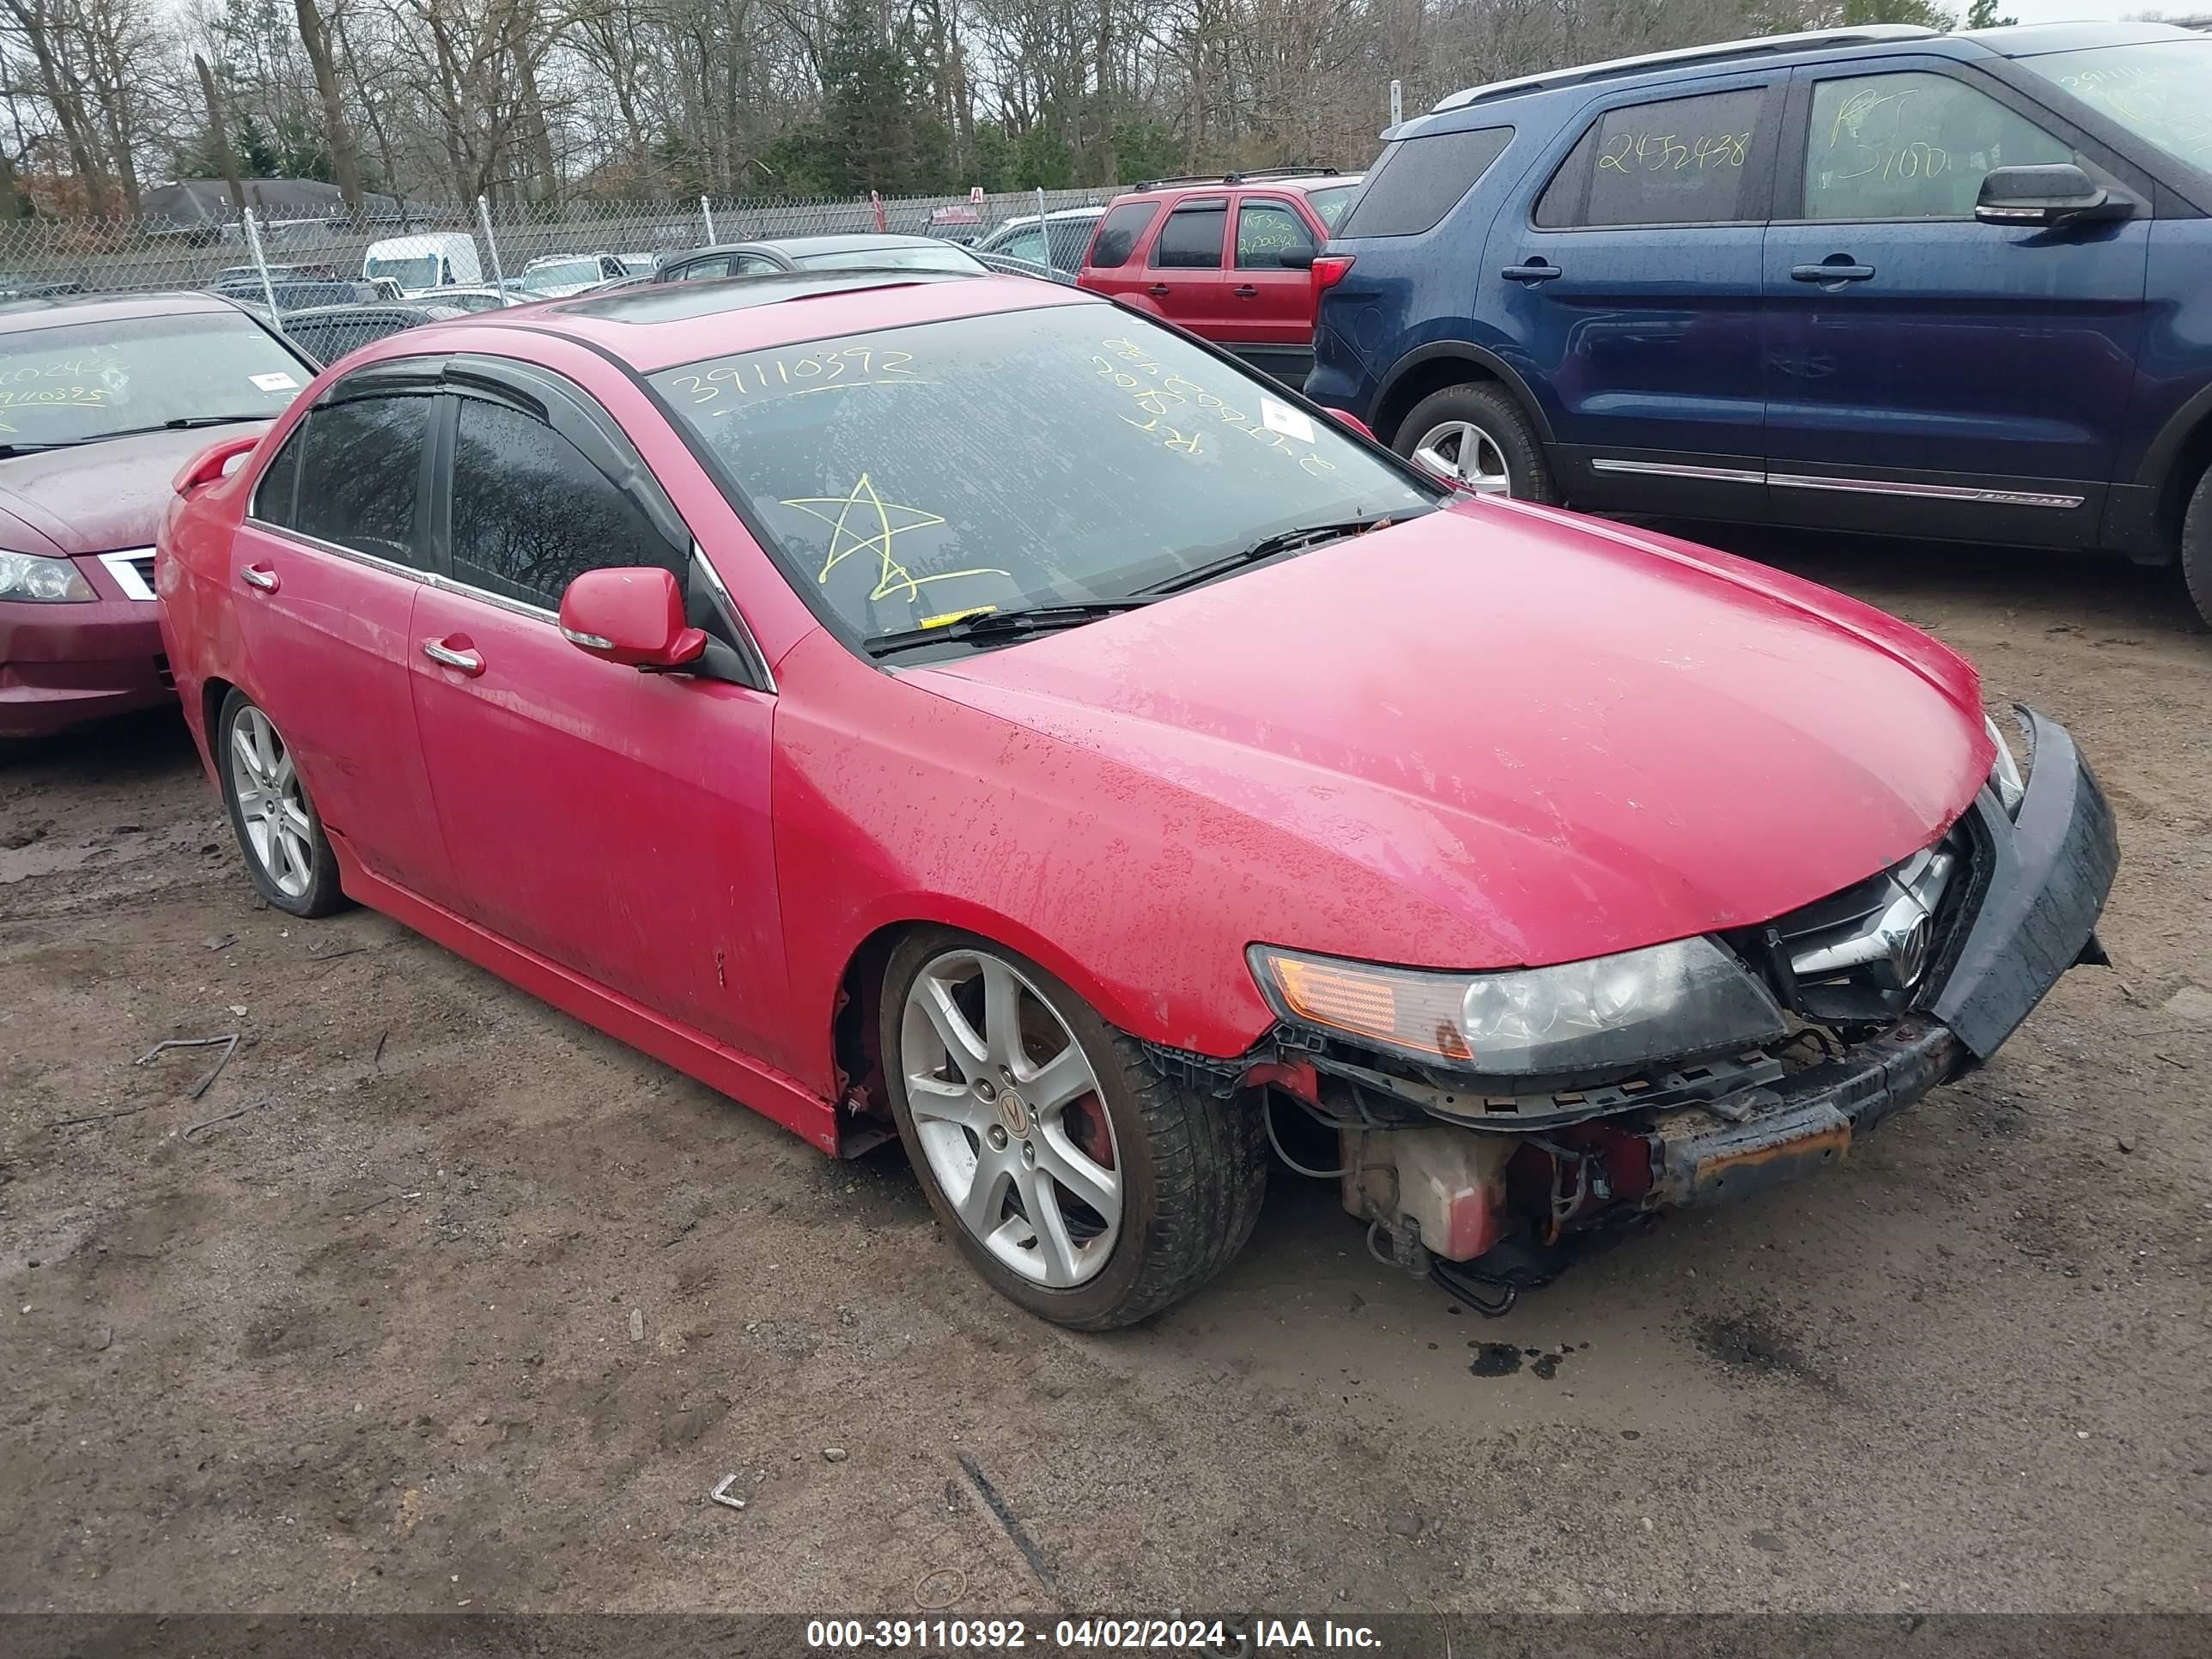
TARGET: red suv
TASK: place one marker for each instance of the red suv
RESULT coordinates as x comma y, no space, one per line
1228,258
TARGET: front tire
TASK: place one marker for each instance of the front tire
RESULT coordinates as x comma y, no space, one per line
288,857
1477,435
1078,1181
2196,547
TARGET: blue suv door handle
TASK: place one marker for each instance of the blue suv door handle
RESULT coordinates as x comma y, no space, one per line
1536,271
1836,268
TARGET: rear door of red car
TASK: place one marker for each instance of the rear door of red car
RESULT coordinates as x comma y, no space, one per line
1272,303
614,821
325,570
1112,261
1183,278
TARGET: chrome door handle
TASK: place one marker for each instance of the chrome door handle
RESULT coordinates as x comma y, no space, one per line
468,662
255,576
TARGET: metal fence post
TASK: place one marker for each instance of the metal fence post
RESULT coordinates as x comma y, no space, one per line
491,243
1044,231
261,264
708,214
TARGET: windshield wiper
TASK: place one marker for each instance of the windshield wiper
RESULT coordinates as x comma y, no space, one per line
1002,625
182,423
1285,541
9,450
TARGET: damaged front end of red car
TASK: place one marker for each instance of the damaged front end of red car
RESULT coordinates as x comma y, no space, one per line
1879,992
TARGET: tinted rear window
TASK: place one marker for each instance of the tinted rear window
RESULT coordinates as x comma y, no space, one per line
1419,180
1682,162
1120,232
1191,238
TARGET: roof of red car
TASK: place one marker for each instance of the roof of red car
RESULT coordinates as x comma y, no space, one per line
57,310
656,326
1266,179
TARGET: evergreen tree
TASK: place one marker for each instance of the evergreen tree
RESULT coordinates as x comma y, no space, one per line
865,114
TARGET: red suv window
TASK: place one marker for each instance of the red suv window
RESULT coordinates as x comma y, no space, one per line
1191,238
1120,232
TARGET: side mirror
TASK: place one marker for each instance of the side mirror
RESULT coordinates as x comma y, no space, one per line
2058,194
633,616
216,462
1297,259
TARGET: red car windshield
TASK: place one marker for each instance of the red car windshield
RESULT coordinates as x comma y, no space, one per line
1063,454
86,381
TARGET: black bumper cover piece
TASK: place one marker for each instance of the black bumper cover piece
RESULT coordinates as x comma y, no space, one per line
2049,870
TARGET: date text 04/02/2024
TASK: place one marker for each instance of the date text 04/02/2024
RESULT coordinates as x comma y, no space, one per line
1215,1636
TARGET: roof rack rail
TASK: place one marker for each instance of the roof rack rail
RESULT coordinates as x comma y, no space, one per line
1758,47
1299,172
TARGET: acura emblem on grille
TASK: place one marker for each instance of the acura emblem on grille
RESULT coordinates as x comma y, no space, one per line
1908,955
1889,933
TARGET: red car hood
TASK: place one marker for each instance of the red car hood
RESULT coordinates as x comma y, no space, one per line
1568,737
101,497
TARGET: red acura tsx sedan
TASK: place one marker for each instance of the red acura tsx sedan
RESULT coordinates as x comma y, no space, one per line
957,707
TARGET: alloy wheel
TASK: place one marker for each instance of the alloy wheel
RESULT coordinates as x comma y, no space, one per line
1007,1109
270,803
1463,453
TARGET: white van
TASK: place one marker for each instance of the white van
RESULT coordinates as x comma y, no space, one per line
424,263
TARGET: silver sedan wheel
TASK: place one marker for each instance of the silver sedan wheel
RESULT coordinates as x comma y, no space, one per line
1463,451
278,832
1007,1109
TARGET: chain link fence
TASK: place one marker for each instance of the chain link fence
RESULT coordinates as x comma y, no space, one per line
319,261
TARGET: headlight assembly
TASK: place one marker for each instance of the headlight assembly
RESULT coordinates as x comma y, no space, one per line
2004,771
1606,1013
42,581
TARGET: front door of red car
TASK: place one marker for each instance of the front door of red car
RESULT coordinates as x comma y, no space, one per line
327,568
613,820
1272,303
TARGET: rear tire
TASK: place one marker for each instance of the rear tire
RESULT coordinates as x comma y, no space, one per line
1478,434
1030,1105
2196,547
288,857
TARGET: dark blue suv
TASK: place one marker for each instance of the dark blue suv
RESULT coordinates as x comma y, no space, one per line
1877,279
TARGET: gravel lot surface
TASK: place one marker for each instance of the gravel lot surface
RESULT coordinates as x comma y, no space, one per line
472,1307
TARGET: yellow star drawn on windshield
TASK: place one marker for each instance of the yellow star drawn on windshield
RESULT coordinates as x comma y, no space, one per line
860,523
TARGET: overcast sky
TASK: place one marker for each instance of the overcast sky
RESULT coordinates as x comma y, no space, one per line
2064,11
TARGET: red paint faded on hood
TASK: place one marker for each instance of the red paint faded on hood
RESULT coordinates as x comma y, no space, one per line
1569,744
101,497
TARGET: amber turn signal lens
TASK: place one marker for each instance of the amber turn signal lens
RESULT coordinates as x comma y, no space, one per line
1402,1008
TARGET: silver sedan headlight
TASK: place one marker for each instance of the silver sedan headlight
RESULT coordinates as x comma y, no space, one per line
42,581
1689,997
2004,771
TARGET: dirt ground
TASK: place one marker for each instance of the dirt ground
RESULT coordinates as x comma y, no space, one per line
473,1307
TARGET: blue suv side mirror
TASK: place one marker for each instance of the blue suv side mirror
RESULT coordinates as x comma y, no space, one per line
2052,195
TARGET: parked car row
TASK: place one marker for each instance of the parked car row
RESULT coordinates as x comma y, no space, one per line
735,657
